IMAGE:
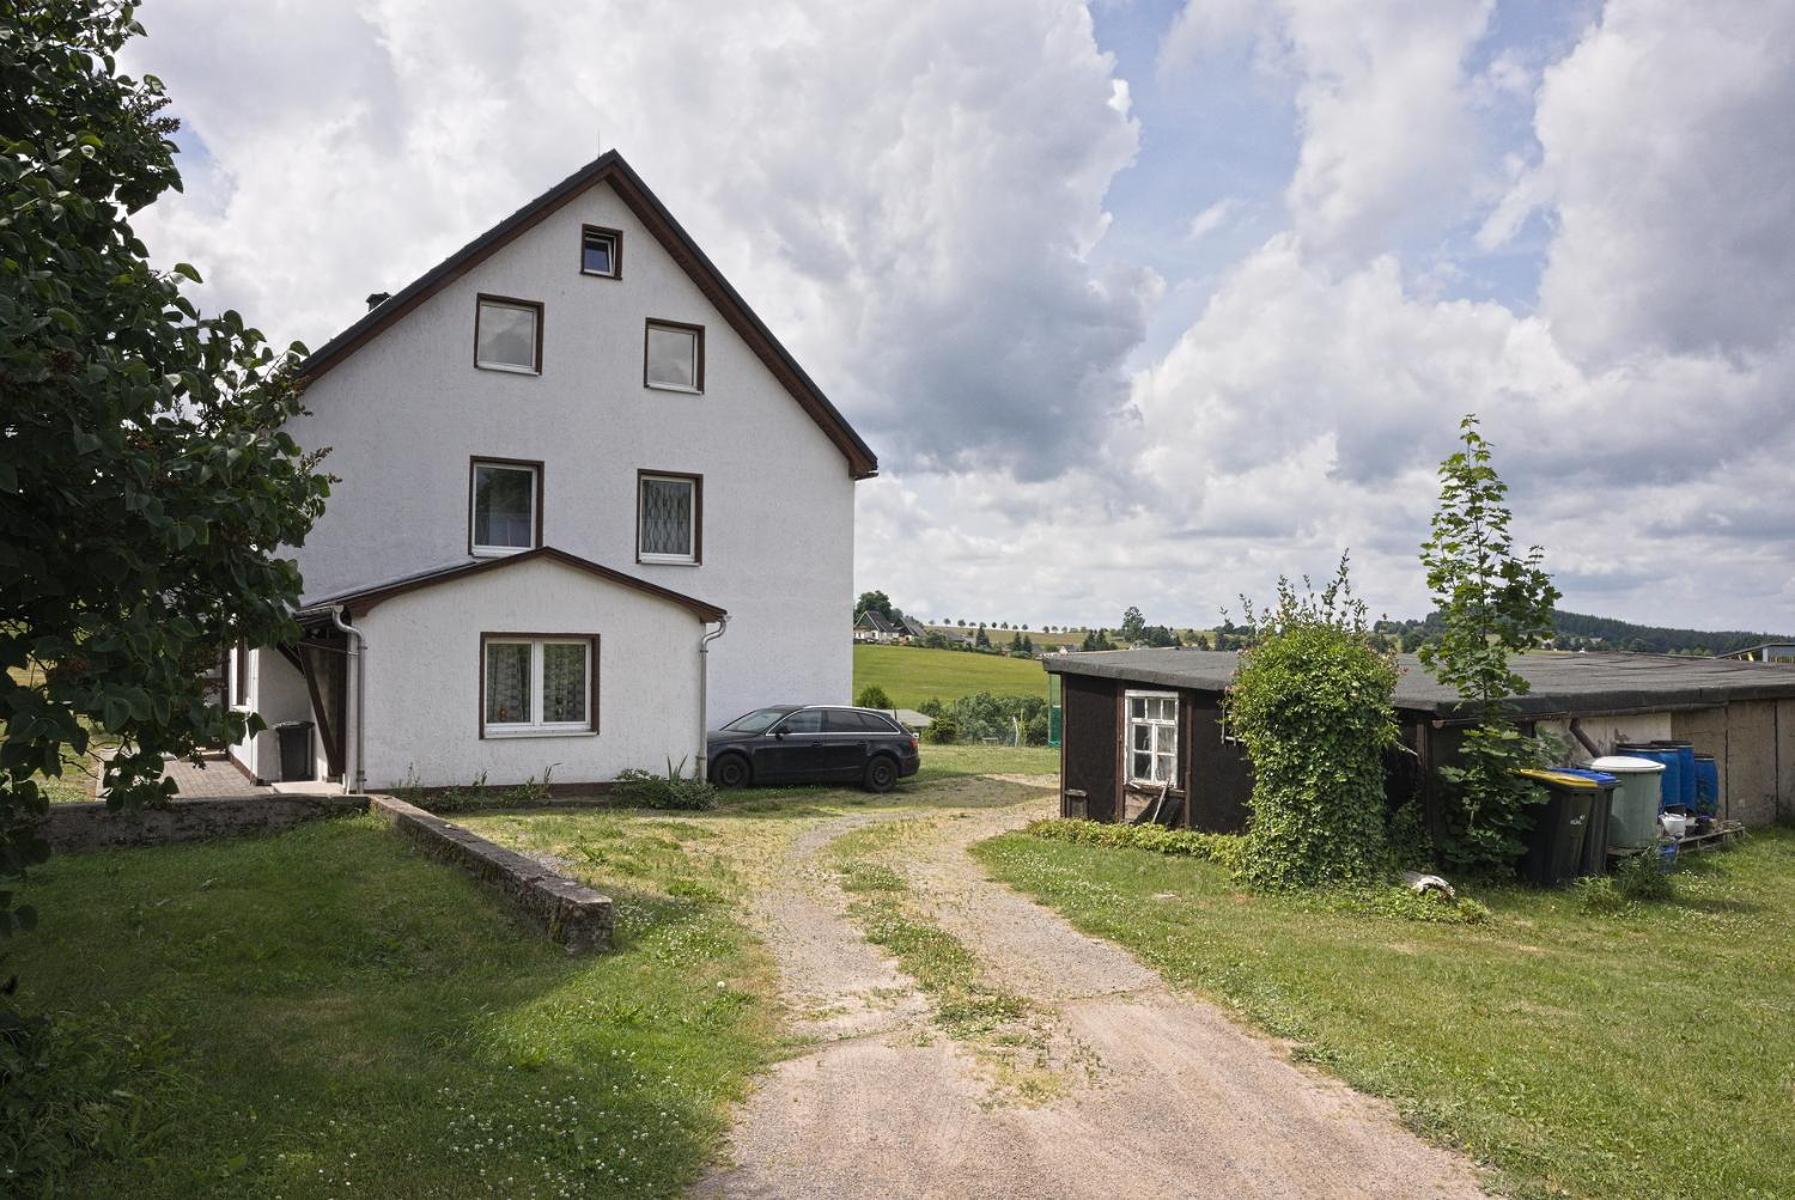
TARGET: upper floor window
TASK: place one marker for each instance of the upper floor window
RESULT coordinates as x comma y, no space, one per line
504,506
601,252
670,516
508,335
673,358
1153,737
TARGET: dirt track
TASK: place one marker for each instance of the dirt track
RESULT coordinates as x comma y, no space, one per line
1155,1094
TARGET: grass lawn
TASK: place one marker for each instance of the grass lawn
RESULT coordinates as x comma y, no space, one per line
951,762
1647,1054
326,1013
912,674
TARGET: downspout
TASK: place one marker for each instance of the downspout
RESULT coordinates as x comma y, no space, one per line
357,782
704,679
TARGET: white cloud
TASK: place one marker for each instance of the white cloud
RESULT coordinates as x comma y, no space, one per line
1210,220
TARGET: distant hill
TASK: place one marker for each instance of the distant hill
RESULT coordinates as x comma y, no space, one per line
1579,631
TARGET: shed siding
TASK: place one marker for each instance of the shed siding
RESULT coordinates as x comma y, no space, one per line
1707,729
1751,762
1785,759
1092,744
1221,778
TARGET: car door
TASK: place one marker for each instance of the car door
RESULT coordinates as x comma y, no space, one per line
845,736
793,752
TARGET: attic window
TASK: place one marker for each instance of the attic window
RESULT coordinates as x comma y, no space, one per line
601,252
673,357
508,335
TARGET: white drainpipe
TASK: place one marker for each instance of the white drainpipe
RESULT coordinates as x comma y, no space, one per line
704,678
356,782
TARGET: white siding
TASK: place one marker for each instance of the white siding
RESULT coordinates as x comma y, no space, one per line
403,415
423,691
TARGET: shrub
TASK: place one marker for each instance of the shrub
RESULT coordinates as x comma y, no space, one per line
942,731
1312,705
1222,848
674,790
873,696
1642,878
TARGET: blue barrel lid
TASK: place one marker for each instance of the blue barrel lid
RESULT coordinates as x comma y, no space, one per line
1600,778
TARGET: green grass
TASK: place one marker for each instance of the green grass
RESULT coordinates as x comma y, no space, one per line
954,762
332,1013
912,674
1649,1053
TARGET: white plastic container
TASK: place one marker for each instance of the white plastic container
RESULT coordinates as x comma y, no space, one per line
1633,813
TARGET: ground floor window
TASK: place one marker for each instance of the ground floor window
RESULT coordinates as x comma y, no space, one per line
538,683
1152,737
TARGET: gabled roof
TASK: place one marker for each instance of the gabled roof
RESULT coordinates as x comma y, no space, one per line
913,627
875,621
363,599
610,167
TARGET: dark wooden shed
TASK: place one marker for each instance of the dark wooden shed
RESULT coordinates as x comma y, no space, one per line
1117,706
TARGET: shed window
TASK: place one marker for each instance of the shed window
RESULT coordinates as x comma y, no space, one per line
508,335
673,357
538,684
670,508
1152,737
503,517
600,252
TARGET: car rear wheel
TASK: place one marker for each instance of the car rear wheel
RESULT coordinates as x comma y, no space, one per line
731,771
881,774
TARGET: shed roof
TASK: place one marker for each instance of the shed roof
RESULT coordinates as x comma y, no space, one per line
1561,683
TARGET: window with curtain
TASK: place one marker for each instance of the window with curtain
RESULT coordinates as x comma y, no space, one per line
1152,737
669,507
674,357
504,508
539,685
508,335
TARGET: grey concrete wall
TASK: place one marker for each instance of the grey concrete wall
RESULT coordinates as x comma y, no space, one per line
72,828
1785,760
1707,728
1751,773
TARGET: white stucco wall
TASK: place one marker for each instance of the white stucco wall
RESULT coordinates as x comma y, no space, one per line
404,413
423,688
277,691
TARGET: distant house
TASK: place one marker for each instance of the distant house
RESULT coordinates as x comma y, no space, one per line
1765,652
871,626
911,630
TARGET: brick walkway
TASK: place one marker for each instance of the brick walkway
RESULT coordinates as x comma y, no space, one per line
215,776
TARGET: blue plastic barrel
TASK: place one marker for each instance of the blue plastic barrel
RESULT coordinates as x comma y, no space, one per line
1707,785
1685,769
1671,782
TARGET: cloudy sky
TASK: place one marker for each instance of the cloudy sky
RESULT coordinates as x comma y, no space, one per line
1139,302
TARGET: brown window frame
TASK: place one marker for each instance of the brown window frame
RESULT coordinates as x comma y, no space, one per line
477,461
697,482
616,236
593,641
698,332
515,302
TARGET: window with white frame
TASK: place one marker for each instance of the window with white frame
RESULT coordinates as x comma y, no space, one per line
508,335
536,684
1152,737
502,507
673,357
669,509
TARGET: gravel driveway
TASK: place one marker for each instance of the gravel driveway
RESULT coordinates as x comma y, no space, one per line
1161,1095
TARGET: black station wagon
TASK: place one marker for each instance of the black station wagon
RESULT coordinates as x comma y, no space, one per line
812,743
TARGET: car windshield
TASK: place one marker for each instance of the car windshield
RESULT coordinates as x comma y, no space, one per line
758,721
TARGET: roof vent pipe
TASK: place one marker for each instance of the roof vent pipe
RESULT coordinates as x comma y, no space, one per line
376,299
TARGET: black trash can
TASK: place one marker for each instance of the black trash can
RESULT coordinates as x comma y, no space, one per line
296,761
1560,825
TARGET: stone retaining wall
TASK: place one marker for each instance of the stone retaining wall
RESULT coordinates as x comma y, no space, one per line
572,913
72,828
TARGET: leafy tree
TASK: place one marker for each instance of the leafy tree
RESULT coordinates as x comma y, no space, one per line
144,480
981,638
1493,603
1311,702
873,696
1132,624
877,602
1028,644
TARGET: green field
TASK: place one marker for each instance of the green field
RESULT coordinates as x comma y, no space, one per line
1644,1054
911,674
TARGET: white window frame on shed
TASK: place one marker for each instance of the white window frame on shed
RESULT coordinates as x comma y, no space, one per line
1162,736
535,726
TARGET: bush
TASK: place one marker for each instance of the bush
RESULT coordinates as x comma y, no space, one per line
674,790
1222,848
873,696
942,731
1312,705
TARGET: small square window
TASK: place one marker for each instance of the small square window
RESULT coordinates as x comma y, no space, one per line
601,252
673,358
502,516
669,512
508,335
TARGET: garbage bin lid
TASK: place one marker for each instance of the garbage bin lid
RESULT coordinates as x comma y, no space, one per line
1599,778
1573,780
292,725
1621,764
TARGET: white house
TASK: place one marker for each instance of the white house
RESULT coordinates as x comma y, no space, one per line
586,504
